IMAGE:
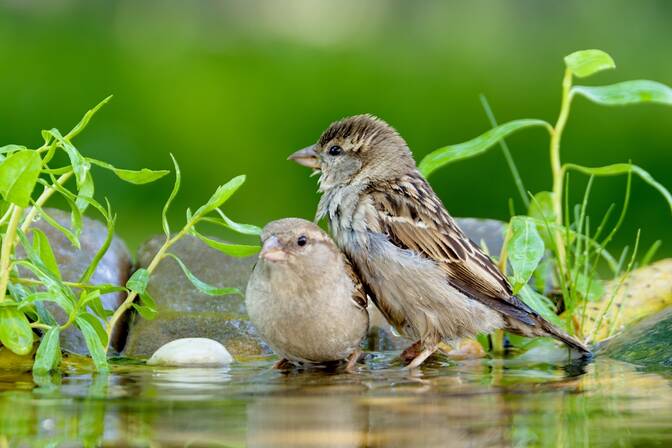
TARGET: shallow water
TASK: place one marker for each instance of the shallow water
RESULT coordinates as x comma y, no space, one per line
487,402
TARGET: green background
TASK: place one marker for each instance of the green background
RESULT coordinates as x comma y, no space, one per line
234,87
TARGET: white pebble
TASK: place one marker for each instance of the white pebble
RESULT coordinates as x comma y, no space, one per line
191,352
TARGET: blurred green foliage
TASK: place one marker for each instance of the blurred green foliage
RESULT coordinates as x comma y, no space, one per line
235,86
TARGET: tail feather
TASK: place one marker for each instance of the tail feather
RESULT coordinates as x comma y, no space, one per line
542,327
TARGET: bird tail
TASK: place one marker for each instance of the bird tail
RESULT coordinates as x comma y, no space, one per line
562,336
535,325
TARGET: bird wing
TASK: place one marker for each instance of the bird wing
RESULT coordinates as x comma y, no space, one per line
413,218
359,293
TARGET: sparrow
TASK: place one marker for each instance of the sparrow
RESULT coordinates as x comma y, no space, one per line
304,297
427,278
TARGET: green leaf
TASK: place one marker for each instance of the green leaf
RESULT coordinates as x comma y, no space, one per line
145,311
541,304
541,207
15,331
201,285
590,289
138,281
74,239
525,250
79,164
628,92
623,168
91,268
79,127
44,251
48,355
245,229
138,177
85,193
221,195
588,62
94,342
18,176
235,250
453,153
52,295
176,189
147,300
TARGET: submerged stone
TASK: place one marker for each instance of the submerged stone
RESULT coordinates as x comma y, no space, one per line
114,268
647,343
191,352
183,311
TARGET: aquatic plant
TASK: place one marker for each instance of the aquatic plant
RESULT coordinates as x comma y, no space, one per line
551,236
29,277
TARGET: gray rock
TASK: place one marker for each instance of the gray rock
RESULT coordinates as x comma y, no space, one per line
183,311
114,268
647,343
191,352
488,232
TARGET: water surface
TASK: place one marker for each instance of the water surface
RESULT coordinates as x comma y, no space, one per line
486,402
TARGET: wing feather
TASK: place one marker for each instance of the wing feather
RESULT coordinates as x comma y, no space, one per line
414,218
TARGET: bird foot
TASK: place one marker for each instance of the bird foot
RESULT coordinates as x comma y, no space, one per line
282,364
352,361
411,352
422,357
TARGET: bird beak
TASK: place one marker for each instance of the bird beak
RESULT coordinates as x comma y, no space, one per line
272,250
306,157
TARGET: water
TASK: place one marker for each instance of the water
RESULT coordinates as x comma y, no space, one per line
487,402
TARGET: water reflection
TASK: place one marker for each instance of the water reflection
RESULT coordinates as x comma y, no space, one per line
471,403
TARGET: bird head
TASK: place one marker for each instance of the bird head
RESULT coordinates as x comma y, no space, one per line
358,148
293,241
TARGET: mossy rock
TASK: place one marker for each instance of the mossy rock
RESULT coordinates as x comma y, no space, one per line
648,343
642,293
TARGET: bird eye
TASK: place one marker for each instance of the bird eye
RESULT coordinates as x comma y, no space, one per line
335,150
302,240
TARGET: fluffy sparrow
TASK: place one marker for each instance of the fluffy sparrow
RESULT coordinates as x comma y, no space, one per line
428,279
304,297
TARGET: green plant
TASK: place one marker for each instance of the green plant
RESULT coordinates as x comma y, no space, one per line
30,277
550,225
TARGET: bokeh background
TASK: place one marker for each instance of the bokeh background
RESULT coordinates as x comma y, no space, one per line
233,87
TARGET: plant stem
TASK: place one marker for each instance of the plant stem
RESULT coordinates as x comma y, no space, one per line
556,166
128,302
7,246
507,154
46,194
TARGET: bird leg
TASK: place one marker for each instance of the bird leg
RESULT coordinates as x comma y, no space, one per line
422,356
411,352
352,361
282,364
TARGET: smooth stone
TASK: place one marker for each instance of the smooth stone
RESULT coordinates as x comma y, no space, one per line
647,343
191,352
185,312
114,268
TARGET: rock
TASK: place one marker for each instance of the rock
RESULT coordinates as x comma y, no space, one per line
191,352
484,232
644,292
113,268
647,343
185,312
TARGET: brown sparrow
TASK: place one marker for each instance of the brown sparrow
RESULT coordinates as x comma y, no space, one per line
428,279
304,297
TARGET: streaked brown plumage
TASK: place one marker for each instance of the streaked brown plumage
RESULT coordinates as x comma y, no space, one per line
429,280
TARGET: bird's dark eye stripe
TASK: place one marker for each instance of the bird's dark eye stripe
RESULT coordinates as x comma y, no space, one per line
302,240
335,150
